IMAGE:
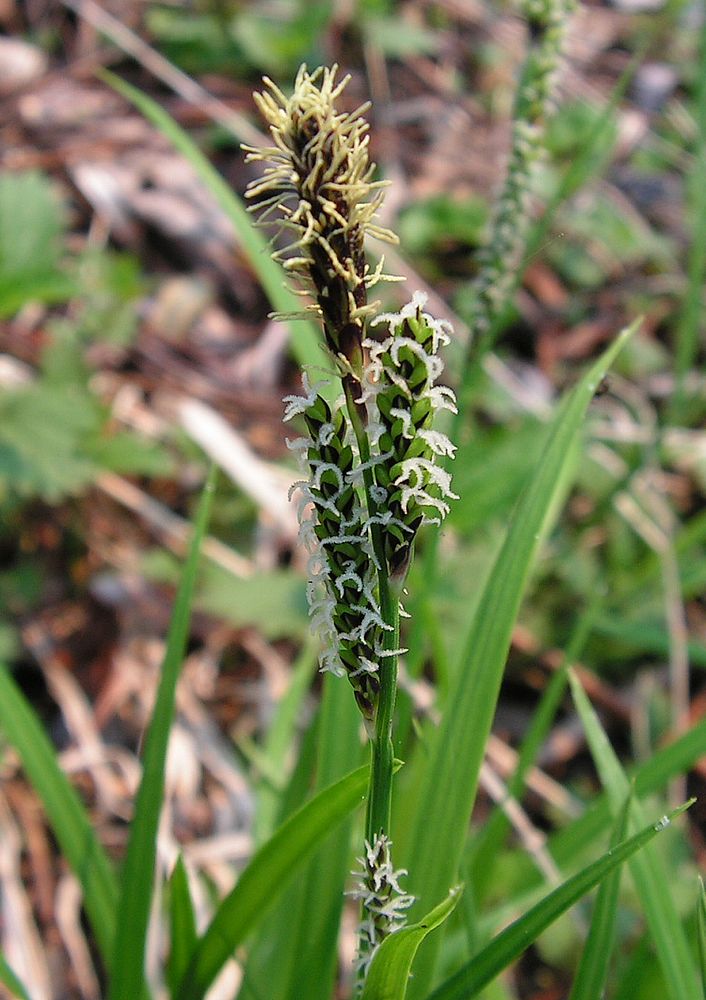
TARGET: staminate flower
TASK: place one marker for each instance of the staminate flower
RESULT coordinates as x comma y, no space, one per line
403,401
320,183
383,901
342,578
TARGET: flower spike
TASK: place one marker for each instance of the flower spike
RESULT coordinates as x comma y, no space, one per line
399,383
384,902
342,573
320,180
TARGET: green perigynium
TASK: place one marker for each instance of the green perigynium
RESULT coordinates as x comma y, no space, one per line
342,577
410,487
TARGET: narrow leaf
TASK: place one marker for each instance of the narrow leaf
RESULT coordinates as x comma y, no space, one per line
651,878
441,819
264,878
701,924
591,158
182,925
307,946
651,776
592,973
65,812
279,740
139,867
484,851
389,971
689,329
514,940
13,983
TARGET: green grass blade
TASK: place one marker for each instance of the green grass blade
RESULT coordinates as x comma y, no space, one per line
309,953
690,323
484,850
592,973
651,878
295,954
261,954
138,870
280,738
701,930
65,812
389,970
514,940
638,974
651,776
306,343
441,820
182,925
281,732
592,158
264,878
647,637
11,981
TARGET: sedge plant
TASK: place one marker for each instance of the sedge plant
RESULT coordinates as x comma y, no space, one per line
372,458
375,462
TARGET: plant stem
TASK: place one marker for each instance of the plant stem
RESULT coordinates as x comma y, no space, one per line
381,761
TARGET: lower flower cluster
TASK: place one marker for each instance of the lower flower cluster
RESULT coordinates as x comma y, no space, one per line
383,901
342,572
356,514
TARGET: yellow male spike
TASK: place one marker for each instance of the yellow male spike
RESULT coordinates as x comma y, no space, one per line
319,179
